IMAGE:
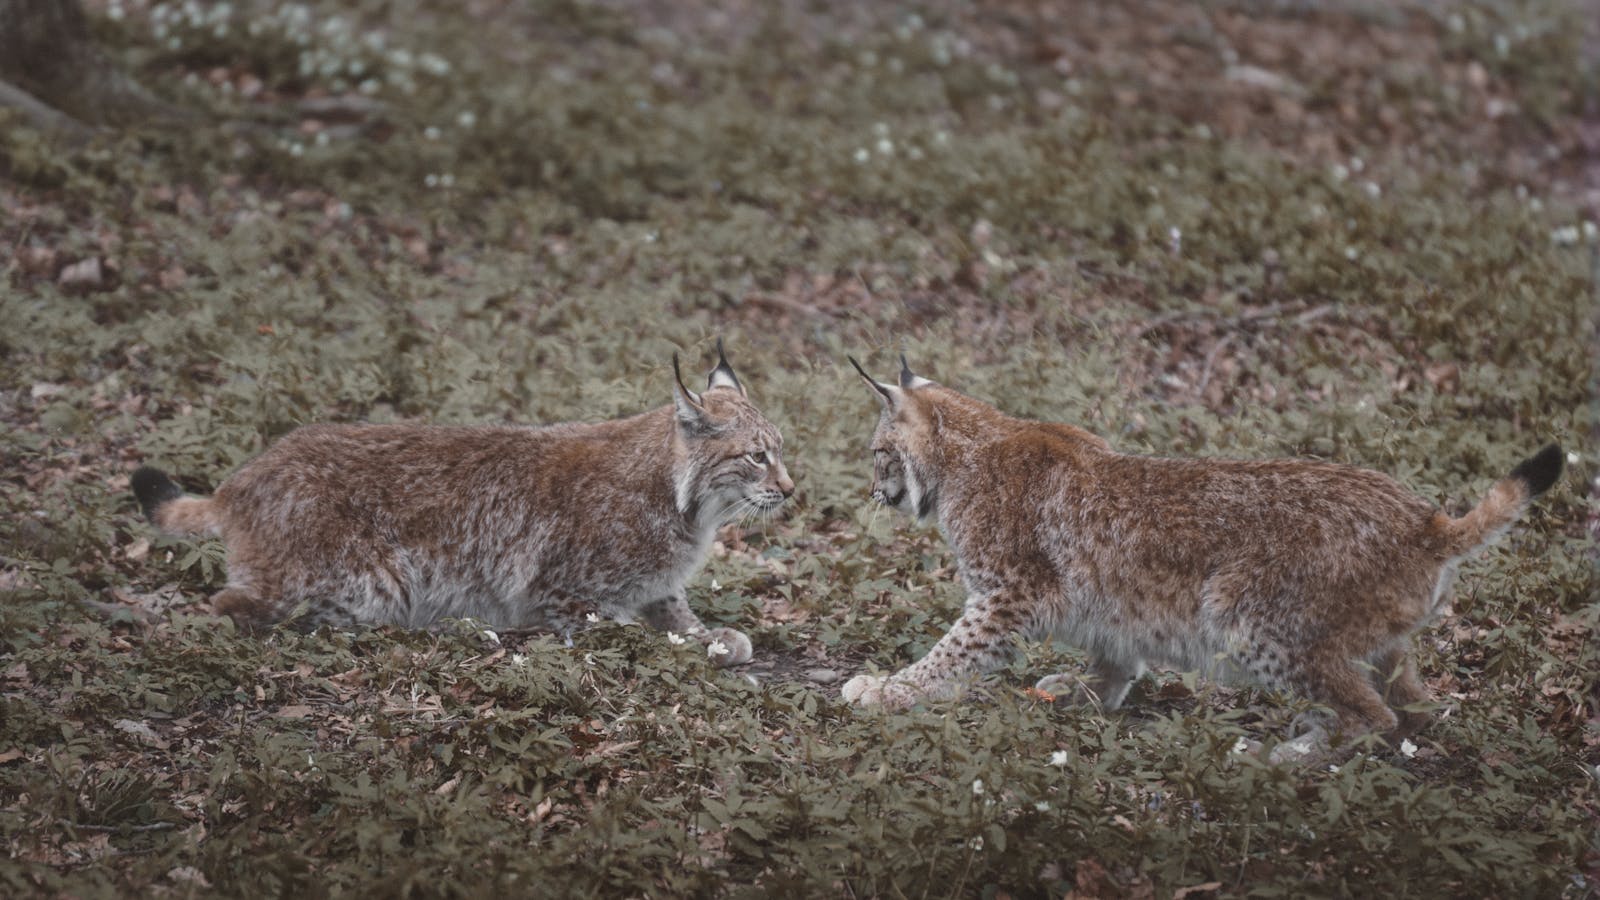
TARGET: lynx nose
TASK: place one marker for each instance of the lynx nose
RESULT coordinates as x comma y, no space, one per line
784,482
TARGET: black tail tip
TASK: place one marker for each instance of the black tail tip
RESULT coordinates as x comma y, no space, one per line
153,488
1540,470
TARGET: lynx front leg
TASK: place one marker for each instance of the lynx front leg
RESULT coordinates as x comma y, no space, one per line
673,614
979,642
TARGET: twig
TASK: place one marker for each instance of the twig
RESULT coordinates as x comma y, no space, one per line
1211,360
153,826
1302,316
786,304
41,114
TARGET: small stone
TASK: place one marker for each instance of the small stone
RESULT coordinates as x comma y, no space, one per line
83,274
822,676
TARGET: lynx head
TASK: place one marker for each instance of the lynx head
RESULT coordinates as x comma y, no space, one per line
728,456
903,446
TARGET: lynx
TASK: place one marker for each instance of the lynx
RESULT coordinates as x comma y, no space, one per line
1298,575
548,527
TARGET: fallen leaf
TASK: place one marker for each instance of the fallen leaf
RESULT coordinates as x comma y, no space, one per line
297,711
141,732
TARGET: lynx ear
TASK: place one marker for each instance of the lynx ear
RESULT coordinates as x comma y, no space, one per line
909,380
722,375
888,393
691,413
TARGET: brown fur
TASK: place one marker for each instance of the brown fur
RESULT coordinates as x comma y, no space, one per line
1301,575
514,526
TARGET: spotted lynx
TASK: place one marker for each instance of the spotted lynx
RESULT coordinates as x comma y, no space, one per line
516,526
1303,576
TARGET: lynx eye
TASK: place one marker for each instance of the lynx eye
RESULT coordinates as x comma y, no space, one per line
758,458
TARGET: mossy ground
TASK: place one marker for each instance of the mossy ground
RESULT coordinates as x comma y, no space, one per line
1354,232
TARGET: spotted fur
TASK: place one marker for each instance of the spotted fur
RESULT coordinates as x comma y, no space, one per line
1298,575
515,526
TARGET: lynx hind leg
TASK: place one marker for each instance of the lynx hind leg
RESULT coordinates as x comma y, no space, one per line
1394,675
1105,686
1357,706
251,613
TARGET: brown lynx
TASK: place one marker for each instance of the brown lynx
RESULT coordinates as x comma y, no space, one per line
1303,576
516,526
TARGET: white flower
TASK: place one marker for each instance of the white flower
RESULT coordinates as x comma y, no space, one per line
1339,172
434,64
715,585
431,180
1351,253
885,147
716,649
591,618
1042,806
517,659
431,133
1572,457
493,638
467,119
976,843
977,787
1059,758
674,638
862,155
1408,749
1373,190
1241,746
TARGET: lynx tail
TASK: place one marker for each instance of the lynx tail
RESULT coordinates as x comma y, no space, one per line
166,506
1506,501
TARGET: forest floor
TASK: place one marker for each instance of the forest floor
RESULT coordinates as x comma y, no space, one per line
1361,232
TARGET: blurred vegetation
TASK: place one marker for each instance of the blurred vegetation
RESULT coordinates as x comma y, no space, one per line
1154,222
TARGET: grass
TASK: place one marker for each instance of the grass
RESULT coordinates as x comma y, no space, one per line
1376,254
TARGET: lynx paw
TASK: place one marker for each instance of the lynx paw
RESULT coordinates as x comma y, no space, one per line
877,690
728,647
1309,749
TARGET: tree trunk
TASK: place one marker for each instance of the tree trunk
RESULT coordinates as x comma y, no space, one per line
49,64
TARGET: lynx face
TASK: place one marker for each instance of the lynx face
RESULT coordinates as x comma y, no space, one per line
902,478
734,463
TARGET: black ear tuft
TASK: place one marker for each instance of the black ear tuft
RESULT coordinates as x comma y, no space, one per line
723,375
1540,471
908,378
885,391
